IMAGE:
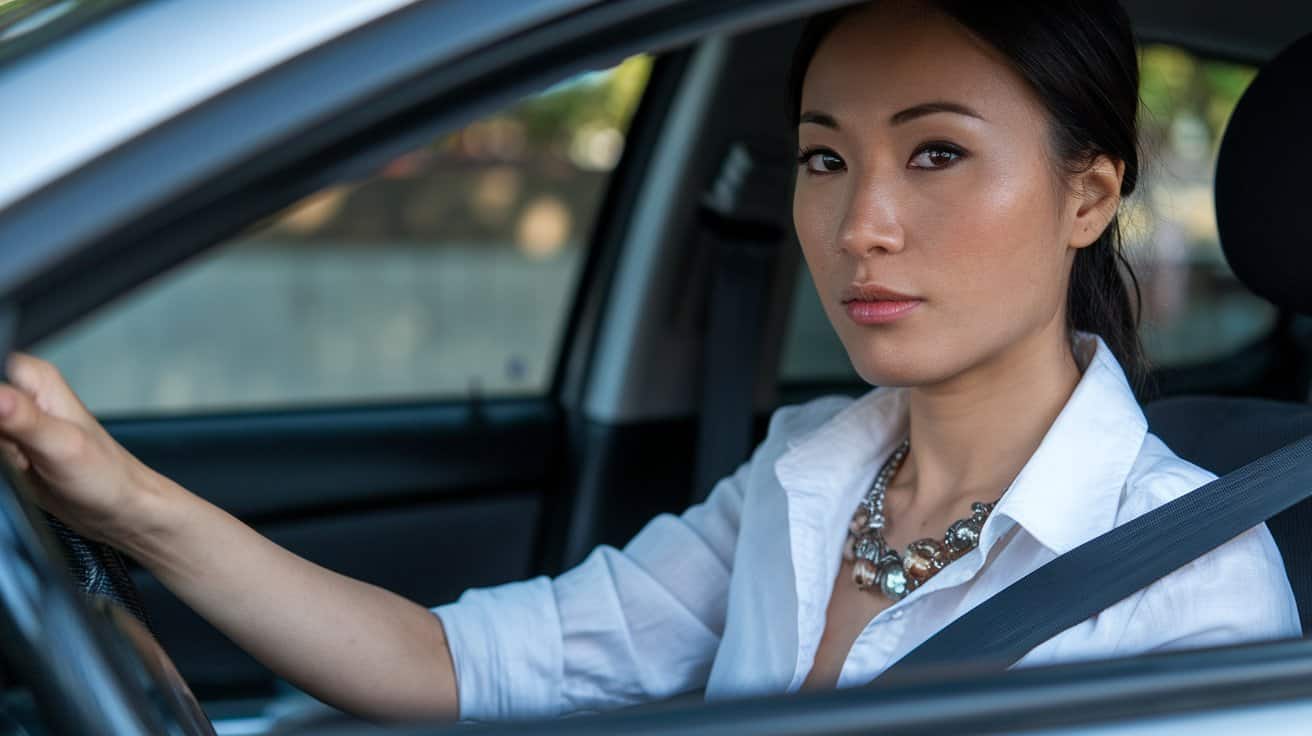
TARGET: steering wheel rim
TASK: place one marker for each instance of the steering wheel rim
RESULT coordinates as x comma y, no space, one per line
99,570
92,667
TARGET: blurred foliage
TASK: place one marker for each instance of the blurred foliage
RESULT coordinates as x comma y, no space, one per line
550,120
1175,83
12,11
8,7
28,24
598,98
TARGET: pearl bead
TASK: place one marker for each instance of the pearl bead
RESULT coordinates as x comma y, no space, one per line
922,559
962,537
864,574
893,581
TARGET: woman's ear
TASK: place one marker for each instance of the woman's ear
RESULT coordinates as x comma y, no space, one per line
1097,194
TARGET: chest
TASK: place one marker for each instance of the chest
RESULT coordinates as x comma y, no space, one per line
849,611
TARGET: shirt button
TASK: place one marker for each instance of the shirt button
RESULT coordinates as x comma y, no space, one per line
897,614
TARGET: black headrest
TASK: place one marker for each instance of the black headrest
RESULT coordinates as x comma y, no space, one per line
1264,182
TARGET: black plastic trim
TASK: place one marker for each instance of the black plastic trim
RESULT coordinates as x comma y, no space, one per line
957,700
272,467
573,365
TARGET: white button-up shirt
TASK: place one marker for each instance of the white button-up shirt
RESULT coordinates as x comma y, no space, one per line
732,594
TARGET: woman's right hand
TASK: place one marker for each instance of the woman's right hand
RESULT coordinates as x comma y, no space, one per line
302,621
57,451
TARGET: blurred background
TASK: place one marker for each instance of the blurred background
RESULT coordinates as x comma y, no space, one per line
451,270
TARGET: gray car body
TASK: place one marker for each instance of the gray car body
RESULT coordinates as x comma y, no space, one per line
102,185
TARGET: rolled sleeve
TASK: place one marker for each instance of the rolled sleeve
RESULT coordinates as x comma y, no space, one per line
506,645
623,627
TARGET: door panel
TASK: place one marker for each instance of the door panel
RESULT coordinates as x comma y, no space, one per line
423,501
428,553
264,467
369,376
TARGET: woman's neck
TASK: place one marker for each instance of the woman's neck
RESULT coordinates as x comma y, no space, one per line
972,434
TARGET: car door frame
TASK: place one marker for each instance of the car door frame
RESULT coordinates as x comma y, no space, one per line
181,220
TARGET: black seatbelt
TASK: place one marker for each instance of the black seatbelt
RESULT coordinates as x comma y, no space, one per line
1110,568
746,214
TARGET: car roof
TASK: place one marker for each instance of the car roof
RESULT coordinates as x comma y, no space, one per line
124,74
127,98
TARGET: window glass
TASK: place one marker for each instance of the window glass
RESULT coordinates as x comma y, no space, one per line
1193,307
448,272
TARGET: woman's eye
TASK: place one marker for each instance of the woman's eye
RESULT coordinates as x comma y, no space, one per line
935,156
820,161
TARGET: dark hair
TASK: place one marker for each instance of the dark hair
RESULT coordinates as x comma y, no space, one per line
1079,56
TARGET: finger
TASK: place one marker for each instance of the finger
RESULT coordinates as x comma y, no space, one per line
13,456
43,381
39,435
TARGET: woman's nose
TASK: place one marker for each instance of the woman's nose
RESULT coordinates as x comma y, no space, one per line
871,222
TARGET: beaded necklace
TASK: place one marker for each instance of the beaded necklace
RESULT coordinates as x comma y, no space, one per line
875,566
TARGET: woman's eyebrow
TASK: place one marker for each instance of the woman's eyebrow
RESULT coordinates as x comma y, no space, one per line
818,118
911,113
929,108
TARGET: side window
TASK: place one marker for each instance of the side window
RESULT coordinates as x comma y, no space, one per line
449,271
1194,309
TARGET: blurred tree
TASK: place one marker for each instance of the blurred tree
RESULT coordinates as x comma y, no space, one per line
550,119
1174,82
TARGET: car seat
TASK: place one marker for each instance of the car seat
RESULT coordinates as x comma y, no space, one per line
1264,218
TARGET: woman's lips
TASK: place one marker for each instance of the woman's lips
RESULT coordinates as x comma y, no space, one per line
875,304
880,311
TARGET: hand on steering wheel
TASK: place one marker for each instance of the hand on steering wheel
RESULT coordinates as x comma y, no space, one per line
57,453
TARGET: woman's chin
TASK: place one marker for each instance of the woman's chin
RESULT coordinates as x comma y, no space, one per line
900,370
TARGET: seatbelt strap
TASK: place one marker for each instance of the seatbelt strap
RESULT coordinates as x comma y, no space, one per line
1115,565
742,211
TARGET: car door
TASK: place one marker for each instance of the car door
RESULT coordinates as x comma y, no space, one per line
384,371
367,377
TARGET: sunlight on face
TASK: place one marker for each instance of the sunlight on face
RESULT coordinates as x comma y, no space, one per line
926,192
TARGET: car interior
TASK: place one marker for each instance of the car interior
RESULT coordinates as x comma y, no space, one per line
682,319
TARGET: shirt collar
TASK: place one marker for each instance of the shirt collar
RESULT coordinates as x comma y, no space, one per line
1070,490
1067,493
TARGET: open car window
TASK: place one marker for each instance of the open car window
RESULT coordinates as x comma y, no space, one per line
447,274
353,295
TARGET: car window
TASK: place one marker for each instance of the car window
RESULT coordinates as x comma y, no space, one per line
1193,307
449,272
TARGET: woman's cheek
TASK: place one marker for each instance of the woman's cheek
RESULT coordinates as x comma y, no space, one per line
814,215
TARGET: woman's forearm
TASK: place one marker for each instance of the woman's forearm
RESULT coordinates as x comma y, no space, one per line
351,644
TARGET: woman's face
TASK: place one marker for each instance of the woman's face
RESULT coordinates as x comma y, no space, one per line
933,220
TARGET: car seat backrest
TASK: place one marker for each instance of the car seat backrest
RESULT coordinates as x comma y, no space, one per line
1265,223
1223,434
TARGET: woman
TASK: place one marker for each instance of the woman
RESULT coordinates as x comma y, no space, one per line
960,166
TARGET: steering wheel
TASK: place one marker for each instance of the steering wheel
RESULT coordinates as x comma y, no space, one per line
83,645
98,570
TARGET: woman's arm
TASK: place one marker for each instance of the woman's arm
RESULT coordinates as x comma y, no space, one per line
348,643
625,626
351,644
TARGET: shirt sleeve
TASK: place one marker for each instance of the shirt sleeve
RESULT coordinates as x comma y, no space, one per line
625,626
1238,592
